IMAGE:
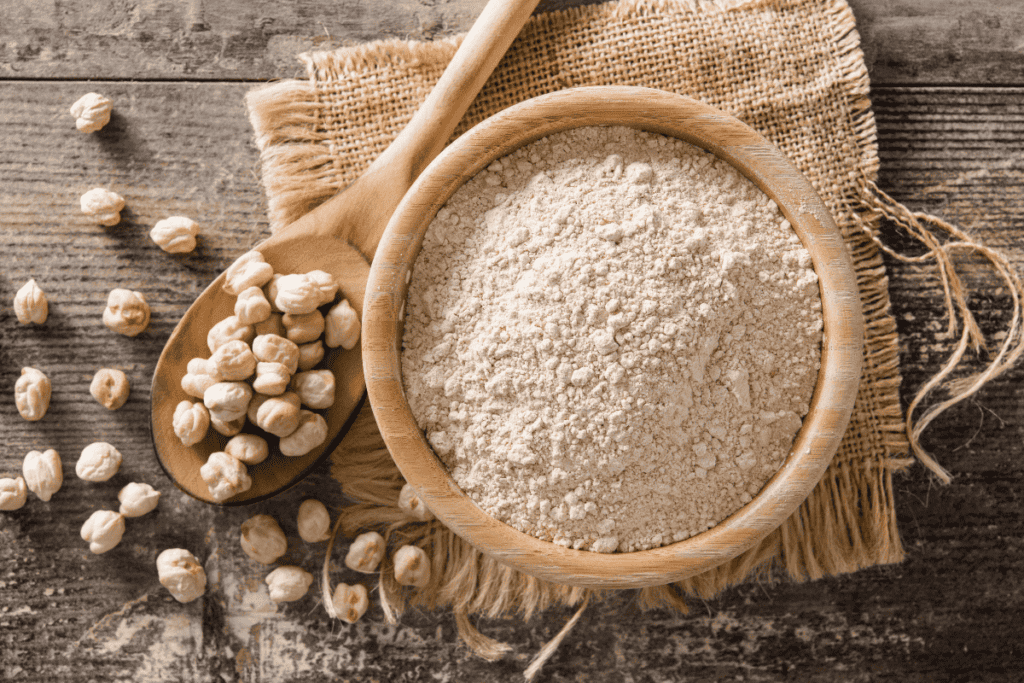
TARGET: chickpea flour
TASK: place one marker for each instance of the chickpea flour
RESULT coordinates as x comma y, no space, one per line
611,339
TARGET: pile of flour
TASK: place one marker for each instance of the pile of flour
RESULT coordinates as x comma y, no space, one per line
611,339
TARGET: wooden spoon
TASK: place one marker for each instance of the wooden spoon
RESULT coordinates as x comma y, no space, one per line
339,237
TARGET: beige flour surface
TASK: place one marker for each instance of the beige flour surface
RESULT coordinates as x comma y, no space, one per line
611,339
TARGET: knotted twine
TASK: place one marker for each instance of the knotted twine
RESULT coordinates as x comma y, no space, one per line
793,70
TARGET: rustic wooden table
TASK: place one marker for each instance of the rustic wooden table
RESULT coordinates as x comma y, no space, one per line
948,94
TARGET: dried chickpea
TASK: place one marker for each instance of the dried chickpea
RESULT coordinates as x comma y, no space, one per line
365,553
227,427
225,476
310,354
110,388
350,602
103,530
234,360
271,379
263,539
314,521
43,472
288,583
30,304
253,411
304,327
32,394
229,329
272,325
99,461
200,375
310,433
273,348
227,400
342,326
181,574
175,235
191,422
13,494
126,313
325,284
249,270
412,566
248,448
137,499
297,293
412,505
91,112
103,206
251,306
279,415
315,388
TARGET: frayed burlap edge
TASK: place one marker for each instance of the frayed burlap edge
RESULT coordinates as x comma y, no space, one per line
847,523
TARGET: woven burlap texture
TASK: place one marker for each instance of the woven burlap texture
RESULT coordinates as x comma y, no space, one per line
794,71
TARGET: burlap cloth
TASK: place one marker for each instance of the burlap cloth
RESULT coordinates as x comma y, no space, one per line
793,70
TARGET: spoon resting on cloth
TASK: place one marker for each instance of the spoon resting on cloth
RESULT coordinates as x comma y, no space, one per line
338,237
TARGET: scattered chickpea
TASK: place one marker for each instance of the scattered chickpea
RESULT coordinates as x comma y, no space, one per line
30,304
191,422
263,539
225,476
13,494
234,360
288,583
32,394
315,388
365,553
342,326
227,427
181,574
310,433
248,448
99,462
43,472
175,235
412,566
303,327
314,521
350,602
412,505
103,206
325,284
249,270
297,293
251,306
229,329
126,313
310,354
279,415
227,400
103,530
200,375
273,348
91,112
110,388
137,499
271,379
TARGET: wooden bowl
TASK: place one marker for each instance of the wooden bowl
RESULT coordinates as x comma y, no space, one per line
707,128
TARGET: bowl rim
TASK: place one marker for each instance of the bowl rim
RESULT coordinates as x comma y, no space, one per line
761,162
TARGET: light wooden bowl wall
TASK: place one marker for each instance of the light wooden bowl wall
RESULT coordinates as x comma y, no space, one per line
707,128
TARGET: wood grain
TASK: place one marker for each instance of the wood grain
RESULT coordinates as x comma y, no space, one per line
924,42
949,613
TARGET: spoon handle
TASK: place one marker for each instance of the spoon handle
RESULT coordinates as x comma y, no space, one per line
361,211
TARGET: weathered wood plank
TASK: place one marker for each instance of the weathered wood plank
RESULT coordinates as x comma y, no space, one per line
949,613
925,42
